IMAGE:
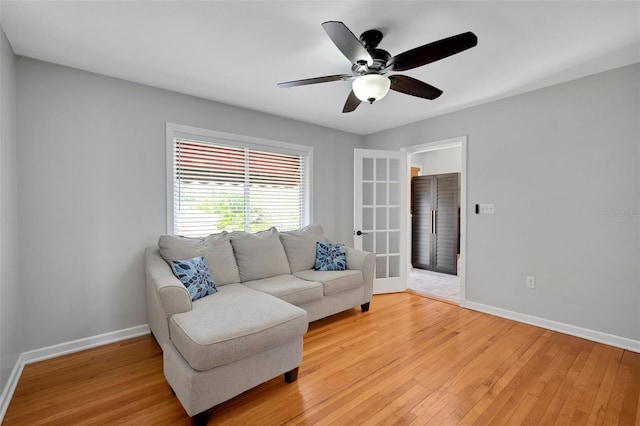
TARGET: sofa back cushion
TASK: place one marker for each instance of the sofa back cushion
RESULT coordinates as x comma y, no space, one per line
216,250
300,246
259,255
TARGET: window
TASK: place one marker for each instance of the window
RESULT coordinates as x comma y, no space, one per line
222,182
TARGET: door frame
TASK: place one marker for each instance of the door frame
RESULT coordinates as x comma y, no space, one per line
458,141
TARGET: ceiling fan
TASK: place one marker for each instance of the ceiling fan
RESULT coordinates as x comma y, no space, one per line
370,65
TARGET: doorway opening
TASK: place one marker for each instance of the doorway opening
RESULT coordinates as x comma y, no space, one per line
437,219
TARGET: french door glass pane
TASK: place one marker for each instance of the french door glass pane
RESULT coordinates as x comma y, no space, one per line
394,194
394,266
367,218
394,217
394,242
381,218
381,169
367,194
381,242
394,169
367,242
381,267
381,194
367,169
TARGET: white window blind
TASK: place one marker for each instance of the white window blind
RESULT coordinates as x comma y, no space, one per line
219,187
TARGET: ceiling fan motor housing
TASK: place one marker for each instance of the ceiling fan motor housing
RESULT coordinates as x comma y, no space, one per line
381,59
370,40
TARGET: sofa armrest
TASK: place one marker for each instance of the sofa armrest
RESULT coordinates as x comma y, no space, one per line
365,262
166,295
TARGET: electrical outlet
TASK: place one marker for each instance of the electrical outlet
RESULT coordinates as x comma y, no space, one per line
531,282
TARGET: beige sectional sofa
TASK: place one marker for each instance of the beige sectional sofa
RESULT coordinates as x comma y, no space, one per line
251,329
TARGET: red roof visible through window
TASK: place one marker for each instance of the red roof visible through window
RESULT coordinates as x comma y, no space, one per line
204,162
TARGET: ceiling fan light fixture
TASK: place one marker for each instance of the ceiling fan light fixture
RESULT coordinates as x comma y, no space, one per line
371,87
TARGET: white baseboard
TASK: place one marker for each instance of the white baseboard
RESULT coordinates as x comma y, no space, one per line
62,349
82,344
10,387
585,333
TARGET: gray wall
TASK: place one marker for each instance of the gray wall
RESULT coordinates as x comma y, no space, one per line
439,161
91,168
9,310
562,166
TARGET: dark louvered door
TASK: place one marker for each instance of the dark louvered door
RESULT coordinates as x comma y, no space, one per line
421,222
446,224
435,226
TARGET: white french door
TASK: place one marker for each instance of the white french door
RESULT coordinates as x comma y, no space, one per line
380,211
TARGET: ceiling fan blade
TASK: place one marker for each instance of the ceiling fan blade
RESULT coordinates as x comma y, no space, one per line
413,87
316,80
352,103
434,51
347,42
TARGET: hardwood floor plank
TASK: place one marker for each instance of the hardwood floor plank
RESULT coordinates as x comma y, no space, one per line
609,366
550,383
500,394
614,405
569,410
474,380
408,361
630,412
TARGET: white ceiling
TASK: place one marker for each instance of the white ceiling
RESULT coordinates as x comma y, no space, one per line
236,52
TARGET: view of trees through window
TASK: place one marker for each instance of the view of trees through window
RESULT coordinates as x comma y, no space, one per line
227,188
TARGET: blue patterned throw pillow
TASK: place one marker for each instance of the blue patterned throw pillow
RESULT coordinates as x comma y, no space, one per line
195,276
331,257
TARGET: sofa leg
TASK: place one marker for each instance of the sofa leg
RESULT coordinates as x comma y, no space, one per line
365,307
200,419
291,376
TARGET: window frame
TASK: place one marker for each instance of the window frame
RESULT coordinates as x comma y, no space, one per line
174,131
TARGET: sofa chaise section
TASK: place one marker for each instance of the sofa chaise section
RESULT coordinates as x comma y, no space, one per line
231,343
238,320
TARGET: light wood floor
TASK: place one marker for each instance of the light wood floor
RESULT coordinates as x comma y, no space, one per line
410,360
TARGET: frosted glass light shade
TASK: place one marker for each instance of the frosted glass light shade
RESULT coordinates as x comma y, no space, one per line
371,87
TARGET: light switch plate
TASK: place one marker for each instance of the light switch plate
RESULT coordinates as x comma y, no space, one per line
487,208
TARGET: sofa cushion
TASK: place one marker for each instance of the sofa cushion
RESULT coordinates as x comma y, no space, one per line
237,323
334,281
259,255
195,276
288,288
300,246
216,249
